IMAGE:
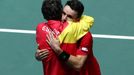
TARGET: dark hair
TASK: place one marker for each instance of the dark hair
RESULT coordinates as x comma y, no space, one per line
77,6
52,9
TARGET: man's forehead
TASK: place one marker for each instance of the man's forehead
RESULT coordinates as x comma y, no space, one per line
67,9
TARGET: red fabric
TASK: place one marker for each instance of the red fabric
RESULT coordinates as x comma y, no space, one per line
91,66
51,65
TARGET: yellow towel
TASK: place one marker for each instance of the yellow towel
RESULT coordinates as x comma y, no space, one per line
75,30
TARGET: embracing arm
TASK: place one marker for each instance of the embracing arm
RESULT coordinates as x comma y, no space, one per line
75,61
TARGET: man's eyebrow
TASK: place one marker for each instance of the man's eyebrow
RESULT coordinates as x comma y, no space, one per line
70,16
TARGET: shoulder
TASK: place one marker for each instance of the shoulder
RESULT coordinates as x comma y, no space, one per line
87,18
40,25
87,36
86,22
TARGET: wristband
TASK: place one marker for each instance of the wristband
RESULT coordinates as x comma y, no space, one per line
64,56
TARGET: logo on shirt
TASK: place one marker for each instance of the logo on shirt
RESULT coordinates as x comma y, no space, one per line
84,49
45,28
56,32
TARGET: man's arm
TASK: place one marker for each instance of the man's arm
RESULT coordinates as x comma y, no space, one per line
75,61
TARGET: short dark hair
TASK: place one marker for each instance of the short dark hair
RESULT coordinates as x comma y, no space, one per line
52,9
77,6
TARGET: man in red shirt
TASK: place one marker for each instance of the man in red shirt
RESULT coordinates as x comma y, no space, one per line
52,12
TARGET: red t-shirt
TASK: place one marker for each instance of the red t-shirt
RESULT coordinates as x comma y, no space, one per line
91,66
51,64
83,47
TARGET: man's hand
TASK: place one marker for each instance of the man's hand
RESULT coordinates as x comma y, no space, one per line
41,54
54,43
